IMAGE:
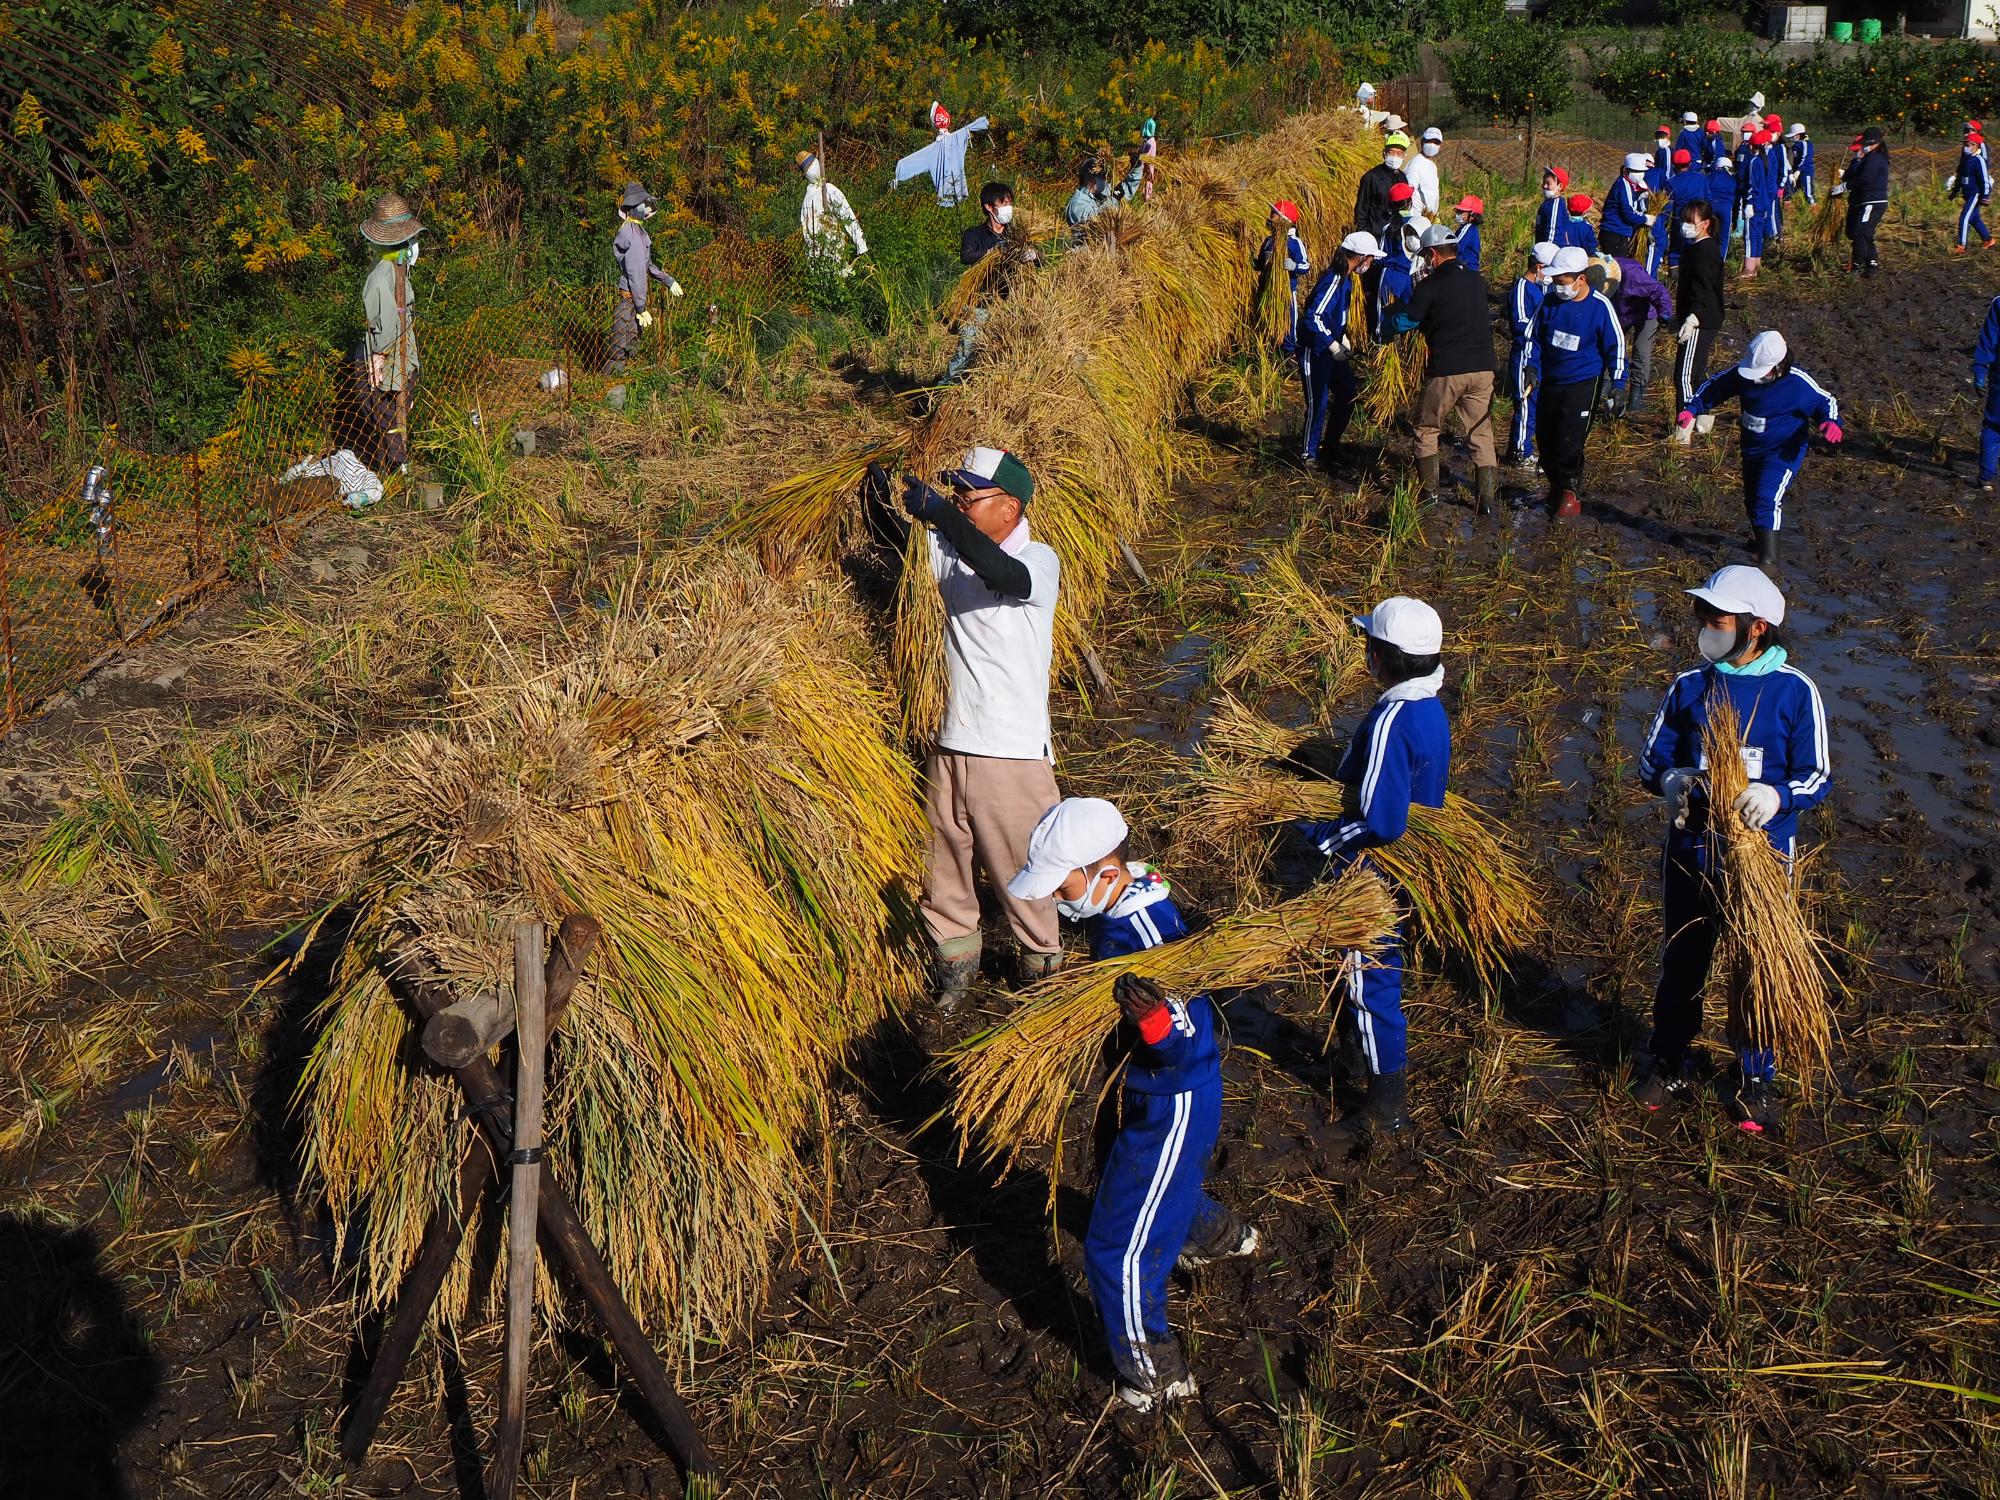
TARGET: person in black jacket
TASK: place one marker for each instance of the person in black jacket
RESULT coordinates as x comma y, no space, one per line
1866,184
1697,303
991,234
1371,198
1449,308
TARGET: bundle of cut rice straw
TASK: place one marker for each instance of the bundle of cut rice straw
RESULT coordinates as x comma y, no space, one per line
1769,963
1017,1080
1470,895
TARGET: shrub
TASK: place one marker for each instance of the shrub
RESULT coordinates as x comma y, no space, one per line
1710,72
1898,82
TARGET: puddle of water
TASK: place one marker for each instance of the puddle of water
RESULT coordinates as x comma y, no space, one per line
148,1081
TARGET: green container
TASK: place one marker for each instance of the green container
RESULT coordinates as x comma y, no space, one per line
1871,31
1841,31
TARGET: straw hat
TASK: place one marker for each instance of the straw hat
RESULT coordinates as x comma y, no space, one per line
393,223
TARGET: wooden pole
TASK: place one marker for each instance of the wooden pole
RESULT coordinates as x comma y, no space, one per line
575,939
526,1163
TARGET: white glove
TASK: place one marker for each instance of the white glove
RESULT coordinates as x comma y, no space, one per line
1340,348
645,317
1650,220
1756,804
674,289
1690,328
1676,788
1839,188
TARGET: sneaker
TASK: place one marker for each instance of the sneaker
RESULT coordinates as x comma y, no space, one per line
1663,1086
1755,1106
1158,1397
1958,249
1245,1246
1987,245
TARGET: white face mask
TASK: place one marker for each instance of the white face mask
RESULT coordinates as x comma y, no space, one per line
1690,231
812,170
1089,904
1004,215
1550,192
1431,148
1393,161
1715,643
1636,178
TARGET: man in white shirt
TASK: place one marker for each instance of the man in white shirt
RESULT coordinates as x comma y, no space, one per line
1421,172
991,776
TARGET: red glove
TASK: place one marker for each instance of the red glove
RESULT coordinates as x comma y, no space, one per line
1685,419
1145,1006
1830,431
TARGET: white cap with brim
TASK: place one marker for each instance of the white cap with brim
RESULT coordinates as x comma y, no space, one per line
1689,117
1797,128
1638,161
1740,589
1361,242
1410,625
1366,91
1569,261
1073,835
1766,352
1545,253
1432,133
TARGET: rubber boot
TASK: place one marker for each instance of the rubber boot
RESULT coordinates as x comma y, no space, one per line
1767,546
1029,966
1487,481
1384,1112
1427,476
957,968
1565,507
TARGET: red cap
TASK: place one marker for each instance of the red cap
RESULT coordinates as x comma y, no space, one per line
1684,157
1715,127
1663,130
1561,177
1287,210
1974,125
1402,192
1579,203
1975,139
1774,121
1470,204
1762,138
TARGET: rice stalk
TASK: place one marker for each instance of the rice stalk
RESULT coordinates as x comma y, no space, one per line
1301,639
1394,380
1770,963
916,649
1016,1081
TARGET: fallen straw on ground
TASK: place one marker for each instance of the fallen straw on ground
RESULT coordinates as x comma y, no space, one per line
1016,1081
1769,963
1470,897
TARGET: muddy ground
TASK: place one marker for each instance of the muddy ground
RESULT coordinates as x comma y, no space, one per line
1544,1294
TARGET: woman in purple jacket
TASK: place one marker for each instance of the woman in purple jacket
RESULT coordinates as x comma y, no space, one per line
1643,304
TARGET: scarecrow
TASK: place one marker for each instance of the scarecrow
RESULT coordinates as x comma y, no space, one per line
389,365
826,219
634,270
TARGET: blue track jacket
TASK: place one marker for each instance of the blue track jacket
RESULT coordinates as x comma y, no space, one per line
1552,221
1624,208
1722,193
1802,163
1686,186
1521,309
1661,169
1989,345
1578,232
1694,140
1394,282
1777,417
1326,308
1400,754
1186,1057
1784,736
1298,265
1578,340
1468,246
1972,179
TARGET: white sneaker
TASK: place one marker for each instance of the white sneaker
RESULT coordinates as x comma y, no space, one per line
1246,1245
1141,1399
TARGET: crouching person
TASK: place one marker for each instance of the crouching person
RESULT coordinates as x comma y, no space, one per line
1400,754
1151,1213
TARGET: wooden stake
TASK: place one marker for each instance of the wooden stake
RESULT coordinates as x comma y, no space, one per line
527,1174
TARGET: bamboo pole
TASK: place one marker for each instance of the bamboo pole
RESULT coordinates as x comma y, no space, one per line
526,1163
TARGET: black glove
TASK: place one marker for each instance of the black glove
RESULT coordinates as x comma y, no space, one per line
1614,402
921,500
875,489
1138,997
1315,759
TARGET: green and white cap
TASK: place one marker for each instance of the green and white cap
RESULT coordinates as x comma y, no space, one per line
995,468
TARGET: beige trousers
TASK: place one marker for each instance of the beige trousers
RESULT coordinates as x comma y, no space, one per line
981,810
1471,397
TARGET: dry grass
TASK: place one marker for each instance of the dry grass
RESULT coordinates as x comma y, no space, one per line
1769,963
1016,1081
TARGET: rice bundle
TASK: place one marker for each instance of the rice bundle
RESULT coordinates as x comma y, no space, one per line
1827,224
1657,203
706,770
1469,894
1770,963
1015,1081
1394,380
1301,640
1087,364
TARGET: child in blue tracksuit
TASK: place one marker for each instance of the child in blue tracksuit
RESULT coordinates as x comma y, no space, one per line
1693,140
1973,182
1577,228
1625,205
1661,165
1756,198
1982,381
1395,279
1325,353
1467,215
1400,754
1523,361
1552,217
1151,1212
1284,220
1800,150
1780,408
1581,352
1722,198
1786,753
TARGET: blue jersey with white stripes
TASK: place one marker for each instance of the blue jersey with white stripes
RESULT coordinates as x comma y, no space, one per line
1468,246
1624,208
1326,308
1972,179
1778,416
1785,744
1988,348
1579,339
1298,266
1688,185
1187,1057
1695,141
1521,310
1400,754
1662,167
1552,221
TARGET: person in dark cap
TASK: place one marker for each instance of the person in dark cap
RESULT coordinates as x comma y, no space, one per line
389,363
1865,184
632,256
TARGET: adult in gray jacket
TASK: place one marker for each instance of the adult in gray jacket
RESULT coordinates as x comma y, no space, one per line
635,270
389,351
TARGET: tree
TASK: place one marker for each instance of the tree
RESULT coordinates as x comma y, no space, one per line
1515,70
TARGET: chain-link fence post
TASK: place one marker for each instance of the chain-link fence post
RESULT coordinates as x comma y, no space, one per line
7,620
194,487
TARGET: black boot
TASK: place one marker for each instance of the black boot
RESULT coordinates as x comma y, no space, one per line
1487,481
1382,1112
1427,476
1767,546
